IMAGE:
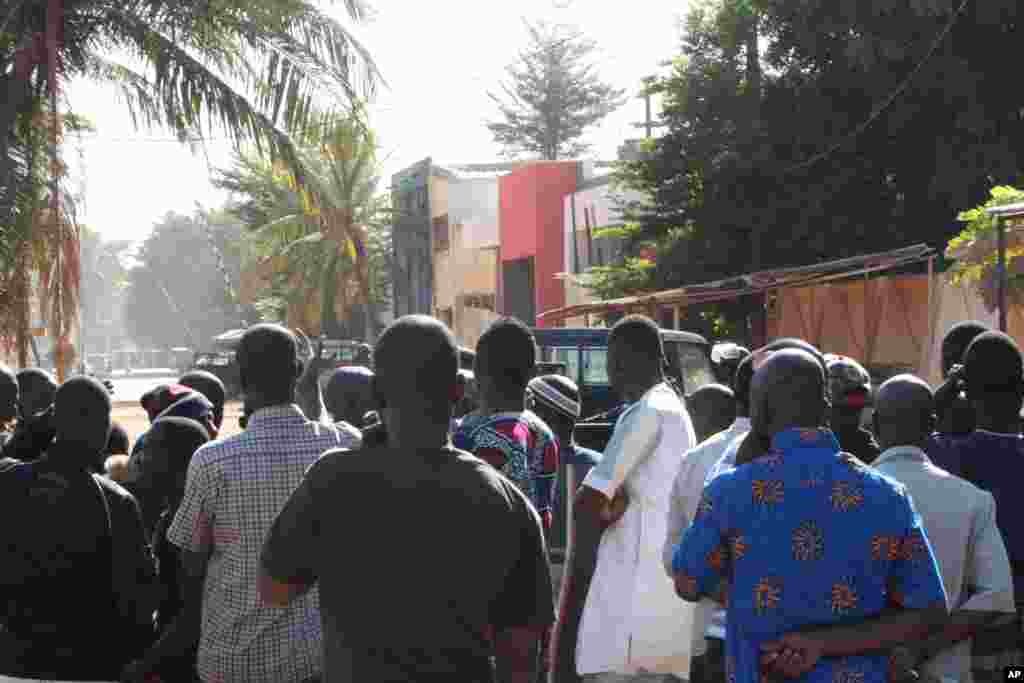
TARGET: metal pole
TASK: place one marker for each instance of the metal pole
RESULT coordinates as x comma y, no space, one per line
1001,271
52,19
575,247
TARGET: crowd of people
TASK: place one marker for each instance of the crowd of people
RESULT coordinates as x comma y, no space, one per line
789,522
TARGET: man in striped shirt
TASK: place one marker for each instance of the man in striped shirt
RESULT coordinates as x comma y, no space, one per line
234,490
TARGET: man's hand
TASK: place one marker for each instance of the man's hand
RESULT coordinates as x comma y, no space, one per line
616,508
902,665
792,655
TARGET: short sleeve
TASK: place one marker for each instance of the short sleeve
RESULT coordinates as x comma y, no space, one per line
544,471
289,552
526,598
914,578
192,528
703,559
633,441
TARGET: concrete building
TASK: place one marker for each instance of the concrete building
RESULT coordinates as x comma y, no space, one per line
532,251
419,199
593,206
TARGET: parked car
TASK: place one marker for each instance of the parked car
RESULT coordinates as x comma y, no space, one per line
223,365
584,351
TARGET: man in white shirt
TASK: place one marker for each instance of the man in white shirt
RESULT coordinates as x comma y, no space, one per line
633,626
960,521
686,492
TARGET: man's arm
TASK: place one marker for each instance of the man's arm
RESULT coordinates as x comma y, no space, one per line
134,566
917,607
633,441
700,565
989,585
525,609
183,633
288,561
307,390
679,508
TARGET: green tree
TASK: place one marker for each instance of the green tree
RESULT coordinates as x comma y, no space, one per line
328,245
255,69
552,96
975,251
836,138
104,280
176,295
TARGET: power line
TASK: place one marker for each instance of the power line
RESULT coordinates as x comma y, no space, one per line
888,102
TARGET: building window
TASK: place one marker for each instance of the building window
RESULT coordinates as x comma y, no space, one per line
441,233
486,302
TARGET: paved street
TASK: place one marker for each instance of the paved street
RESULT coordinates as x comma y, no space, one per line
132,387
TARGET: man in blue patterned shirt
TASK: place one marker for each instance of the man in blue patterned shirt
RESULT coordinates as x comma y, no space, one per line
808,536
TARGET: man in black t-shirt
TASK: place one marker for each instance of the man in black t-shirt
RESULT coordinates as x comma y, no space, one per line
77,588
428,560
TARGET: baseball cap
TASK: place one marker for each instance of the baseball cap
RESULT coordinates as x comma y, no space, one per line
849,383
728,352
557,393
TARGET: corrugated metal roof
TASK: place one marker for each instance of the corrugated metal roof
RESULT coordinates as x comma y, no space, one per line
751,283
1008,210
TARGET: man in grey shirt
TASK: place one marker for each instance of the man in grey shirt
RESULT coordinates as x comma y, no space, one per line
960,521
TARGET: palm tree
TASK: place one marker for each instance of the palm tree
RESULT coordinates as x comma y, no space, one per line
255,68
325,245
39,249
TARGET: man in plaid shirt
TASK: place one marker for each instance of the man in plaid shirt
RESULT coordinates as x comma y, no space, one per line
234,490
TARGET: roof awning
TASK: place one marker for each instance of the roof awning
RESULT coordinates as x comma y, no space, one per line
751,283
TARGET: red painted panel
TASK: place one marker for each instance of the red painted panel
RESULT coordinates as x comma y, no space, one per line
517,213
530,207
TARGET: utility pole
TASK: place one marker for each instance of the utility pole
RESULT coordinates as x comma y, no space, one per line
648,124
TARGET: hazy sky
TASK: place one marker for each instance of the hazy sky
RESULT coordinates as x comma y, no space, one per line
438,58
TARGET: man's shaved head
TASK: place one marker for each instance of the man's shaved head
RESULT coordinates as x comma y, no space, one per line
713,408
37,389
349,394
82,415
956,341
788,391
904,411
415,363
268,361
210,386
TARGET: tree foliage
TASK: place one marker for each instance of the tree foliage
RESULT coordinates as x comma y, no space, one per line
176,295
552,96
799,131
975,250
255,69
326,247
104,281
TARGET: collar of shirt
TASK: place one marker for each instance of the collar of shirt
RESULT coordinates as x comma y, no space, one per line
909,452
799,439
740,424
1005,436
288,411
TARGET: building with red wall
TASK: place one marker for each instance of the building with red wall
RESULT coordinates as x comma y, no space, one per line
532,247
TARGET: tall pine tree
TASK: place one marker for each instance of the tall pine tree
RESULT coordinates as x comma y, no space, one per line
553,96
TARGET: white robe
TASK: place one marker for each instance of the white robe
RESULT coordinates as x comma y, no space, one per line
633,621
